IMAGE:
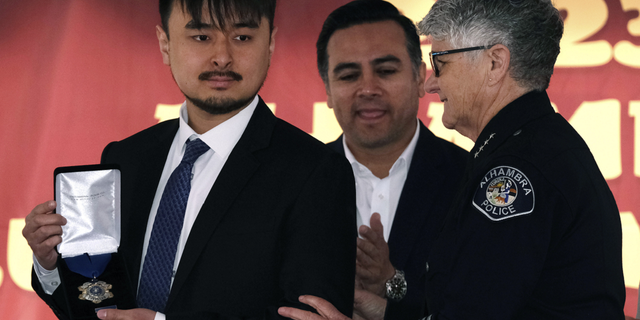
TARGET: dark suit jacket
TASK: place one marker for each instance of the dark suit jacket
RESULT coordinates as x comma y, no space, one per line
279,222
436,168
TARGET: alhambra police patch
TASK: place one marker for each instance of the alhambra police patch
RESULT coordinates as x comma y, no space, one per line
504,192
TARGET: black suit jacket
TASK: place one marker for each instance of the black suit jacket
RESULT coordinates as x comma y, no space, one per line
278,222
435,171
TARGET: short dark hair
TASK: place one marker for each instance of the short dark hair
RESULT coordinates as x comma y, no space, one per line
366,11
220,11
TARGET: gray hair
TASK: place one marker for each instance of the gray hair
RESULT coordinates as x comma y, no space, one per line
531,29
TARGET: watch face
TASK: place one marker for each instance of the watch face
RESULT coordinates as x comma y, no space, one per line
396,287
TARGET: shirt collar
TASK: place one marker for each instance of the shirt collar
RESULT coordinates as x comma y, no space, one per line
404,159
223,137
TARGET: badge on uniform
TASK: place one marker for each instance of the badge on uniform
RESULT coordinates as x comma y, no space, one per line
504,192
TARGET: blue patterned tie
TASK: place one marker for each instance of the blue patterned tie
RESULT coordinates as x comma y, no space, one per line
157,270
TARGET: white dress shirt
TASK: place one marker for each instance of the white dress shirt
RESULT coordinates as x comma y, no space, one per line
381,195
221,141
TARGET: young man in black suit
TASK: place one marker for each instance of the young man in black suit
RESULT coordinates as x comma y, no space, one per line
370,60
271,211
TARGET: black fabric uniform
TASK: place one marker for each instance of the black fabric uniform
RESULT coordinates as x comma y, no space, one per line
535,232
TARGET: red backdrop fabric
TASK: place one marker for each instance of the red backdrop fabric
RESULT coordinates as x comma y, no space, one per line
78,74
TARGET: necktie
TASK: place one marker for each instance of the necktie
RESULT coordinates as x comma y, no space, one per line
157,270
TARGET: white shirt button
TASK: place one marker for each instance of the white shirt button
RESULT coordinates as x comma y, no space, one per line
427,267
54,283
380,196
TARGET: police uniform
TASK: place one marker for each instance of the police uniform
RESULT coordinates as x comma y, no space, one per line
534,232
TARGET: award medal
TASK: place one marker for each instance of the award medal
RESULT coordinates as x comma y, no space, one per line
95,291
91,267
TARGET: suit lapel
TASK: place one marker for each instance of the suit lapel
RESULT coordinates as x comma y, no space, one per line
418,196
337,145
235,174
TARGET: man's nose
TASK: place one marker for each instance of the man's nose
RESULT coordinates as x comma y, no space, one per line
222,56
370,86
431,85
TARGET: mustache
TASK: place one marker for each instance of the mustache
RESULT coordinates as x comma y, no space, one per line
210,74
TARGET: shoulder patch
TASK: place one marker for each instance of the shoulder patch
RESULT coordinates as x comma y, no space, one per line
504,192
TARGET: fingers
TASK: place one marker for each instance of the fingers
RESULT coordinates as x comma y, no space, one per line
366,252
358,284
133,314
104,314
324,307
41,209
363,296
374,233
372,247
373,266
368,305
368,261
43,232
372,251
367,268
376,225
297,314
326,310
43,215
47,206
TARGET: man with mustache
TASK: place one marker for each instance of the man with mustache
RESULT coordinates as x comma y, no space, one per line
271,211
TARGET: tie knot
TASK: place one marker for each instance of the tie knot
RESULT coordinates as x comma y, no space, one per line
195,148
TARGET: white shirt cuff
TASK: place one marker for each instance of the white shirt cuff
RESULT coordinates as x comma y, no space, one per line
49,279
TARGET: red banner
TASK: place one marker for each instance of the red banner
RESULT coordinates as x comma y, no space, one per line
77,74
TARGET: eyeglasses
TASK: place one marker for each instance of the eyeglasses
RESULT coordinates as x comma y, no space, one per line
432,54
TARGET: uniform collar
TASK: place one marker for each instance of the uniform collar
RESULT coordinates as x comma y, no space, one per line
509,121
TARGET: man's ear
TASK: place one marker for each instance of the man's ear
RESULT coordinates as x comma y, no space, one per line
422,77
500,58
163,41
272,41
329,100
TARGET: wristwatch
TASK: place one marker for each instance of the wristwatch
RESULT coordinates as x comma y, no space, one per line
396,286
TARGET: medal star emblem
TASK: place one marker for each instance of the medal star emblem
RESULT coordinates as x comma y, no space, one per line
95,291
